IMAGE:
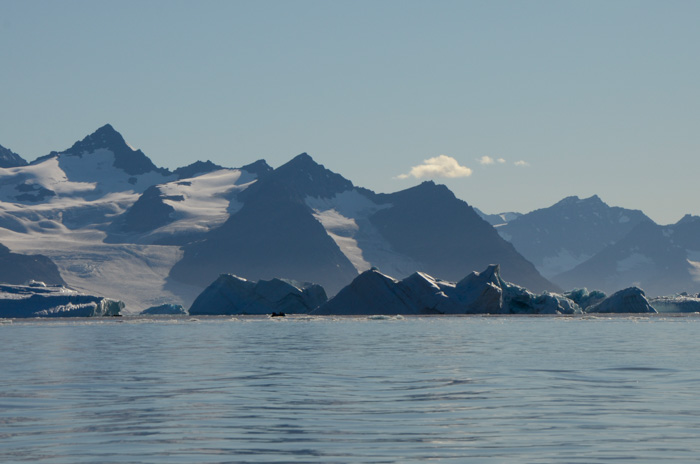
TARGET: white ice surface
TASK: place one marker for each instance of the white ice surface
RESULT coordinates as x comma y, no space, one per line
134,274
90,177
207,202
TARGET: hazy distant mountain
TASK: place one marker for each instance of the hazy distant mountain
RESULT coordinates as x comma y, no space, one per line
20,269
10,159
304,222
662,260
564,235
497,220
116,224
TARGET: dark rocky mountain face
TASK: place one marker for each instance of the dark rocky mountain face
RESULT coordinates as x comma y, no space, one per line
10,159
567,233
148,212
450,240
300,178
195,169
271,236
19,269
260,168
275,234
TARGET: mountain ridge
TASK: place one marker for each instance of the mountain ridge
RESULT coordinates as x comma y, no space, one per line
113,221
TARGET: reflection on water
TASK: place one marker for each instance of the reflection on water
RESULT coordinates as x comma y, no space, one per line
345,390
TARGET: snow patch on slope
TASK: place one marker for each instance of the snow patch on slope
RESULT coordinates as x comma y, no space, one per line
99,166
342,230
633,261
345,217
204,202
338,216
694,262
88,177
562,262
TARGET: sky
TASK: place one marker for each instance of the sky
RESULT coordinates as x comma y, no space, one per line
513,105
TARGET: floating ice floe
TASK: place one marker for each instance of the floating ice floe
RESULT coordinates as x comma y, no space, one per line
230,294
629,300
682,303
20,301
373,293
165,309
479,293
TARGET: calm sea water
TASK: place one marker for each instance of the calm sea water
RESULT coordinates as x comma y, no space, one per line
351,390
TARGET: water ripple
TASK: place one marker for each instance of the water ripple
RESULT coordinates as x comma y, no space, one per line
350,390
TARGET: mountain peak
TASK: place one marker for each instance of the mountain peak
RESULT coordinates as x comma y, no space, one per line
305,176
10,159
302,161
688,219
575,200
106,129
106,137
131,161
260,168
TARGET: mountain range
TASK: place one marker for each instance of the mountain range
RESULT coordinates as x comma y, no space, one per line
117,225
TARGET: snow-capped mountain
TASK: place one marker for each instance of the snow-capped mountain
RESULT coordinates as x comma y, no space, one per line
117,225
10,159
662,260
304,222
88,208
273,233
564,235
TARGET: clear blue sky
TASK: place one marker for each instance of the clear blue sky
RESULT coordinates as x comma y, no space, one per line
594,97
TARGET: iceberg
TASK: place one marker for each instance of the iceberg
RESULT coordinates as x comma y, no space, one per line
682,303
167,308
487,293
629,300
230,294
584,298
39,300
374,293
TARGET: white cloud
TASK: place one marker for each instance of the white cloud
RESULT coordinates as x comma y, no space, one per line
439,166
486,160
522,163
